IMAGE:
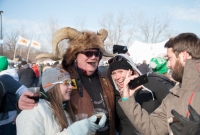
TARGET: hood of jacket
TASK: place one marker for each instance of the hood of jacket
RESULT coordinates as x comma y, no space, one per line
130,61
191,76
12,72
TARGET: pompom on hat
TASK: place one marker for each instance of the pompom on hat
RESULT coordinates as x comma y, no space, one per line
3,63
158,65
52,75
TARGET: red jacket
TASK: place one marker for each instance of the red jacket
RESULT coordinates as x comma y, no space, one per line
35,69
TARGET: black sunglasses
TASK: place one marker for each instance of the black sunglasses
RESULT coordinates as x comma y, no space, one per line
116,58
91,53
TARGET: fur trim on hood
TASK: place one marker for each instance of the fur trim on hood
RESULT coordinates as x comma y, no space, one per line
11,72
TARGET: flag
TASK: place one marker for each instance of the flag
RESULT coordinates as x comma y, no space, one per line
23,41
35,44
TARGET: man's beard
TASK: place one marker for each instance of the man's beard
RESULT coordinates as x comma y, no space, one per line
177,73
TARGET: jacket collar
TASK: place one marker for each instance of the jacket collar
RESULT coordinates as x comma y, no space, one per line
191,77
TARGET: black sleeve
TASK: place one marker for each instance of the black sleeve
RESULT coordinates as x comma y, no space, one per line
10,84
159,89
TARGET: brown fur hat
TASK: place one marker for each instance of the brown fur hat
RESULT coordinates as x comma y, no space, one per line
79,41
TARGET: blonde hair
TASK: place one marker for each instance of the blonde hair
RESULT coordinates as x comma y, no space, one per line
55,98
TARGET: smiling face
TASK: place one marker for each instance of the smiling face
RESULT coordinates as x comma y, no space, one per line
119,76
65,91
89,64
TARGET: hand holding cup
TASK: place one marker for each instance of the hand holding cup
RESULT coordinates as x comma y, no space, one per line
93,120
36,91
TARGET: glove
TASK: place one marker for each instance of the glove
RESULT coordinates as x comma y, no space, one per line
186,126
79,128
93,126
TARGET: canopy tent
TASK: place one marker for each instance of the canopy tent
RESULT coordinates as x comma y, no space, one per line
140,51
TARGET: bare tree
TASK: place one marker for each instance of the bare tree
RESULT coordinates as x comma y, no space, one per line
123,30
117,28
10,43
49,28
151,29
80,23
10,40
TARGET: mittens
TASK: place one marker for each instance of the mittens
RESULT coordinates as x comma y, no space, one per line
93,126
79,128
186,126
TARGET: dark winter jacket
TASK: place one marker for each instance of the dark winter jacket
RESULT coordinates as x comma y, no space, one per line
144,98
98,83
163,79
144,68
26,76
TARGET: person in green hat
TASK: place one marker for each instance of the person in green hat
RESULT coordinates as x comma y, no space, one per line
10,89
159,68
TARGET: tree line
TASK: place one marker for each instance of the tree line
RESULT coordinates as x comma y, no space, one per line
121,29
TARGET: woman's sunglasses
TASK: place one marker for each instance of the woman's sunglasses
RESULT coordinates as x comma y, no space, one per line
65,82
116,58
88,53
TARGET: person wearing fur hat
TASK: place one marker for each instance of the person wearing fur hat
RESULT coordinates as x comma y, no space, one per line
10,89
91,87
49,117
149,96
159,69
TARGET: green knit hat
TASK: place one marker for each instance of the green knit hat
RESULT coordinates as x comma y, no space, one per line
3,63
158,65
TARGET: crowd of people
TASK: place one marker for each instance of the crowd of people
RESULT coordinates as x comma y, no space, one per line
79,85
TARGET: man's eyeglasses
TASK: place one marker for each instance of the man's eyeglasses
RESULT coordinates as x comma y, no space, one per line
89,53
116,58
65,82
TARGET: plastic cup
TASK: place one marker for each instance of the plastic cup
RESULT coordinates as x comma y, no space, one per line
81,116
98,112
36,91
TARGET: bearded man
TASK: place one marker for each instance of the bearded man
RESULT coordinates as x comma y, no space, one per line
179,112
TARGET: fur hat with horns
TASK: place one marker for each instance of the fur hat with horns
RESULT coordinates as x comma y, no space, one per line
79,41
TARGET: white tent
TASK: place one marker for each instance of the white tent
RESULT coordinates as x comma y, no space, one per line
140,51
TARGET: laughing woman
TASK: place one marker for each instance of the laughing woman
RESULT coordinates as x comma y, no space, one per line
149,96
54,116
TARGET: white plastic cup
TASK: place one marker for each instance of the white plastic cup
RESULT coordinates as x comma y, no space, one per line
98,112
81,116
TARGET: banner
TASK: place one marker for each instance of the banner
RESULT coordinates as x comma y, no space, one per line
35,44
23,41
